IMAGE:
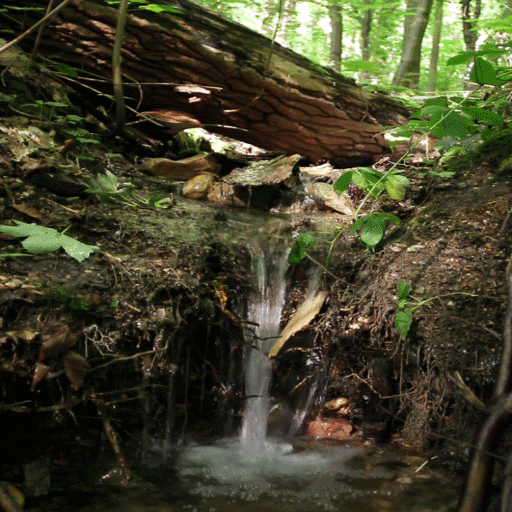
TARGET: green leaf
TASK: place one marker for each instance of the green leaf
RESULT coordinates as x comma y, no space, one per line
343,182
369,180
441,101
455,125
161,8
396,186
373,231
483,73
373,227
403,321
300,247
486,116
395,192
105,185
65,69
40,240
404,289
429,111
460,58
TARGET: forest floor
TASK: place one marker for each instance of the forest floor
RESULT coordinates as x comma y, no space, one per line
165,290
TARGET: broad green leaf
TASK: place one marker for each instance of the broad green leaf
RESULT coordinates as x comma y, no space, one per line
39,240
486,116
483,73
373,227
343,182
395,191
460,58
429,110
368,179
373,231
65,69
441,101
40,244
300,247
403,321
396,186
455,125
399,179
463,57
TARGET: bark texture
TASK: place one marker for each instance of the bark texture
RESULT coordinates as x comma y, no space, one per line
194,68
416,21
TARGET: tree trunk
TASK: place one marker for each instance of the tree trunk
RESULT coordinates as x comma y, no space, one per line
468,20
416,20
436,39
193,68
366,26
336,17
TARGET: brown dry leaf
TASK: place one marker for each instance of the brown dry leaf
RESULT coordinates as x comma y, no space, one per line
76,368
40,372
57,339
301,318
27,210
223,298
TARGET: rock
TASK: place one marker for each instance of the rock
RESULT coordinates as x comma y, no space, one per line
199,186
224,194
340,406
330,428
263,172
324,194
182,169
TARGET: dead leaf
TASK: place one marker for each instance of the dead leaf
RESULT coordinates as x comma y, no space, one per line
223,298
76,368
40,372
301,318
27,210
57,339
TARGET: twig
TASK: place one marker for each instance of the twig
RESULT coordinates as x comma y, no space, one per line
112,437
42,21
127,358
117,80
40,32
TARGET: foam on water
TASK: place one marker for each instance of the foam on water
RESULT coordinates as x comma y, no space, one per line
280,473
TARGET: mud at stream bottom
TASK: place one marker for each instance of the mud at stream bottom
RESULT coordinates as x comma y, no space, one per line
304,477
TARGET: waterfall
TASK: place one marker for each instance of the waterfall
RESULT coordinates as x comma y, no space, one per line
268,267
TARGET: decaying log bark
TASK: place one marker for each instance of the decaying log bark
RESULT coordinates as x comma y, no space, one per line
198,69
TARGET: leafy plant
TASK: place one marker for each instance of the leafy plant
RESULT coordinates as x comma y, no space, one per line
403,317
106,185
40,240
299,249
373,227
405,314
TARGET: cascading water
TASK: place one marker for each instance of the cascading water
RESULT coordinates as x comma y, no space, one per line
269,265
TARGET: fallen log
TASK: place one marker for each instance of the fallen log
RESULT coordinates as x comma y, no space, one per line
193,68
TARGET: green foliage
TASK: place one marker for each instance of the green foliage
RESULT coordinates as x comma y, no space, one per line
40,240
403,317
106,186
301,245
373,227
374,182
